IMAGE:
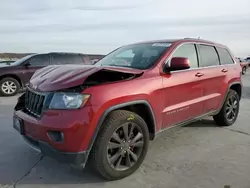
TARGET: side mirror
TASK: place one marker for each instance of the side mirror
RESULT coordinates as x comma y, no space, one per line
177,63
27,64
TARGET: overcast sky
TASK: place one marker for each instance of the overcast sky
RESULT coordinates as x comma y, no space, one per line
98,26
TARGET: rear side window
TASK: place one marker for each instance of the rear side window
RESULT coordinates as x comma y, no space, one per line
188,51
62,59
39,60
208,56
75,59
225,57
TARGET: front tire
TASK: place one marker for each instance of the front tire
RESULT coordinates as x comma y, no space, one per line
230,110
9,86
121,145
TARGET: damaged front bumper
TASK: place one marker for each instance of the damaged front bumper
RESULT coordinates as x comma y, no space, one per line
77,159
56,134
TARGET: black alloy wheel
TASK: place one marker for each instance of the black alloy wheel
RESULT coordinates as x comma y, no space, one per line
125,146
231,108
121,145
229,111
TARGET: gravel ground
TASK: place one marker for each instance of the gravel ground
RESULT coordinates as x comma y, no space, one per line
200,155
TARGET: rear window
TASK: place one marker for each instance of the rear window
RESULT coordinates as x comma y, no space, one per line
225,57
208,56
62,59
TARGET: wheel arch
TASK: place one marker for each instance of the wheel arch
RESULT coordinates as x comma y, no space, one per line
236,86
141,107
12,76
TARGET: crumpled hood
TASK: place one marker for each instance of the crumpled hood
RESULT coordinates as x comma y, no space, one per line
52,78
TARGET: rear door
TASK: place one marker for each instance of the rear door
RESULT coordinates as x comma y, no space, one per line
214,77
36,62
182,89
233,68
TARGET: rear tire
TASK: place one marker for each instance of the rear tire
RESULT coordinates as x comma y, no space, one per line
112,142
230,110
9,86
244,70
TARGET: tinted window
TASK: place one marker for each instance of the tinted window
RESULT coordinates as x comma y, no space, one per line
139,56
61,59
187,51
39,60
225,57
208,55
86,59
22,60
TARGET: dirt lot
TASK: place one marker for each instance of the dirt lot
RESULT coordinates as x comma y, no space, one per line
200,155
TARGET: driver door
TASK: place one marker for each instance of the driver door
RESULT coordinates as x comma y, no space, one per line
182,89
33,64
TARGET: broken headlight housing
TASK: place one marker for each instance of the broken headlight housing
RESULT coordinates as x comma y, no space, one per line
62,101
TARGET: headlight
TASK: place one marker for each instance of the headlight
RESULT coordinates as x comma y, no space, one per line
68,100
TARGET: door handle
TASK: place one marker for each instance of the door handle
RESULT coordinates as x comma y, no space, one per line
199,74
224,70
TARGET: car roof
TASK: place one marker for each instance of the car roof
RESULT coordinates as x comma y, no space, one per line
62,53
183,40
70,53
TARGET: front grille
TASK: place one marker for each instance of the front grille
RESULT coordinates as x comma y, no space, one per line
34,103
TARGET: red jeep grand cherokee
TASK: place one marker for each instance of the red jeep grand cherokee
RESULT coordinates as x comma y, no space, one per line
109,111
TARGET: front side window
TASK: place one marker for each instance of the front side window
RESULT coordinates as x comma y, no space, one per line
225,57
188,51
208,56
22,60
138,56
39,60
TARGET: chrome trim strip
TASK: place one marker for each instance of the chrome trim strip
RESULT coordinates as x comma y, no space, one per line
198,68
187,122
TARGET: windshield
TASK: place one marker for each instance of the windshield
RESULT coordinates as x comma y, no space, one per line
19,61
138,56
